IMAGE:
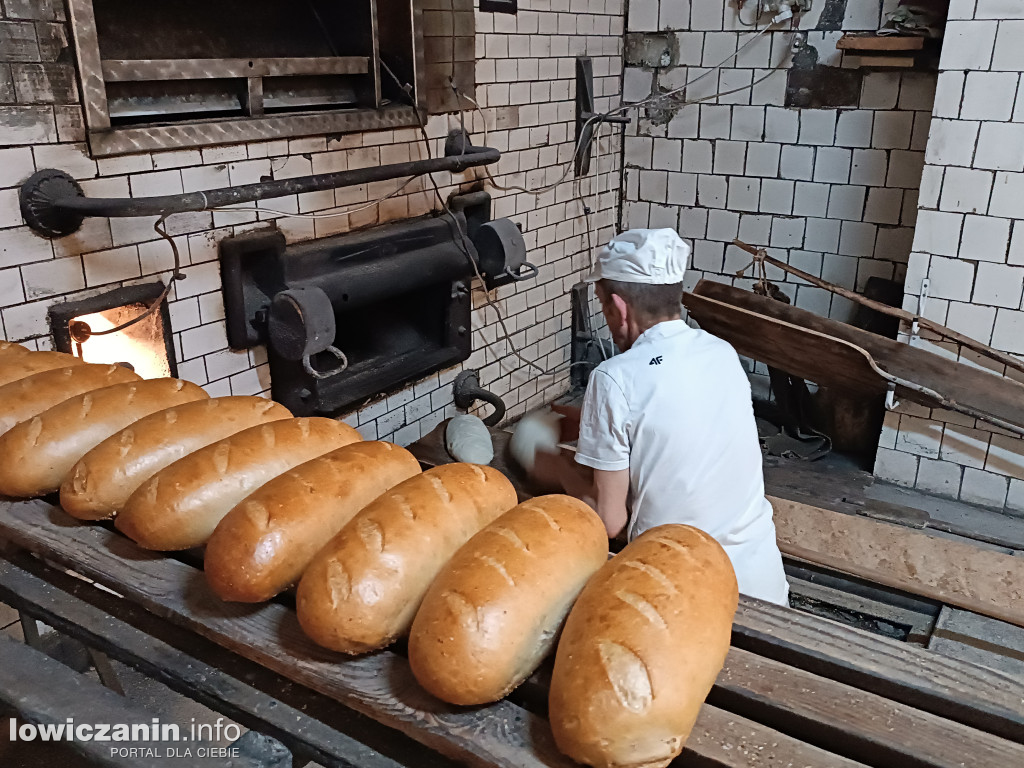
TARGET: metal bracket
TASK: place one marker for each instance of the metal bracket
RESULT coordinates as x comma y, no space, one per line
891,403
37,196
586,118
922,301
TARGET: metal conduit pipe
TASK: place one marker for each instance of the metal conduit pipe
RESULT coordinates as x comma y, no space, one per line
54,205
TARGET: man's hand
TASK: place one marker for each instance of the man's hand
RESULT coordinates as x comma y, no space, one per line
569,423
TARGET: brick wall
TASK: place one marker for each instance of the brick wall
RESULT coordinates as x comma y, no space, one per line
525,87
970,247
831,188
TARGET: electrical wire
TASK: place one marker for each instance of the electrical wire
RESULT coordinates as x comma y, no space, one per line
758,12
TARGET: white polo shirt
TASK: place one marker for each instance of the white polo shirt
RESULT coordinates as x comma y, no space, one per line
675,409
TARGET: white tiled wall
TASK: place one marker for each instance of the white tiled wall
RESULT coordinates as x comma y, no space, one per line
832,191
525,87
970,246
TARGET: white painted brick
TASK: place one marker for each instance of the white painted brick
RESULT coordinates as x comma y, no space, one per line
950,278
880,90
711,191
857,239
674,15
921,437
667,155
964,446
22,246
26,320
1009,332
985,238
691,45
985,95
883,206
184,315
1007,196
1016,255
952,142
860,15
1009,53
226,362
962,9
636,84
971,320
968,45
763,159
833,165
985,488
931,186
777,197
999,285
682,189
643,16
16,165
723,225
966,191
730,157
71,158
715,121
797,163
755,230
998,9
818,126
948,92
111,266
810,199
812,299
1001,147
869,167
744,194
1006,456
747,123
853,128
708,256
203,340
941,478
892,130
706,14
194,371
11,290
846,203
10,208
697,156
685,124
781,125
787,232
53,277
822,235
156,183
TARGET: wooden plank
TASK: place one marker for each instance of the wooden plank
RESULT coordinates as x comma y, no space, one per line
874,42
118,70
379,685
101,628
863,725
45,692
775,333
952,689
953,572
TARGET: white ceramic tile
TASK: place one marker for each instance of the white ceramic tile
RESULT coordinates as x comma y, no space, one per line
985,488
948,93
1008,332
998,285
892,130
730,157
846,203
950,279
869,167
985,238
1007,196
777,197
1009,53
797,162
1001,147
833,165
853,128
988,95
883,206
967,45
763,159
966,191
818,126
811,199
952,142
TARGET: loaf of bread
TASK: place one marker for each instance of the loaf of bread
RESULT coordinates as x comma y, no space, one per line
495,610
39,453
19,366
265,543
21,400
362,590
9,348
99,485
641,649
179,506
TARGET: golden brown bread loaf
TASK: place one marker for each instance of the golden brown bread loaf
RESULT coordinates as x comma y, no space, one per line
9,348
99,485
21,400
495,610
179,506
641,649
362,590
37,454
265,543
19,366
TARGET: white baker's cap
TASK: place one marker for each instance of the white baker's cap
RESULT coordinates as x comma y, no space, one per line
652,256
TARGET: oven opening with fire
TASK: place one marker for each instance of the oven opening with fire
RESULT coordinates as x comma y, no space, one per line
511,383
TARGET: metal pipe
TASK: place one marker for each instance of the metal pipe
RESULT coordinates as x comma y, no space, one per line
53,203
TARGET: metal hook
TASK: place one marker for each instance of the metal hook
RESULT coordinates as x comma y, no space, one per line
307,365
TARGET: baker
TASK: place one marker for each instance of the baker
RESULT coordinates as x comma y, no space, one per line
667,432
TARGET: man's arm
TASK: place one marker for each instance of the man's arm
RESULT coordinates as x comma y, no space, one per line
604,490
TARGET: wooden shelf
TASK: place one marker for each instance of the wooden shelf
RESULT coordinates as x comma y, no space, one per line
875,43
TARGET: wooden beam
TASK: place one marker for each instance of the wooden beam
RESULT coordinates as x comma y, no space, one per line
875,42
979,580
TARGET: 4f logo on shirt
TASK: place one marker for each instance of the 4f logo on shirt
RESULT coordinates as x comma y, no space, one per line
655,360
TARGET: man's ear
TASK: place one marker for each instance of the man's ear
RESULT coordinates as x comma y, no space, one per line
621,310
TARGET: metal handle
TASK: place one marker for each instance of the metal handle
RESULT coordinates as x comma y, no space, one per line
531,272
307,364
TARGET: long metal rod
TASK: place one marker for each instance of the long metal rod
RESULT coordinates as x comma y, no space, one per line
984,349
247,193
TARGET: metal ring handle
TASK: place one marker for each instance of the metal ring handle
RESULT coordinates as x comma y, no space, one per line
307,366
531,272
